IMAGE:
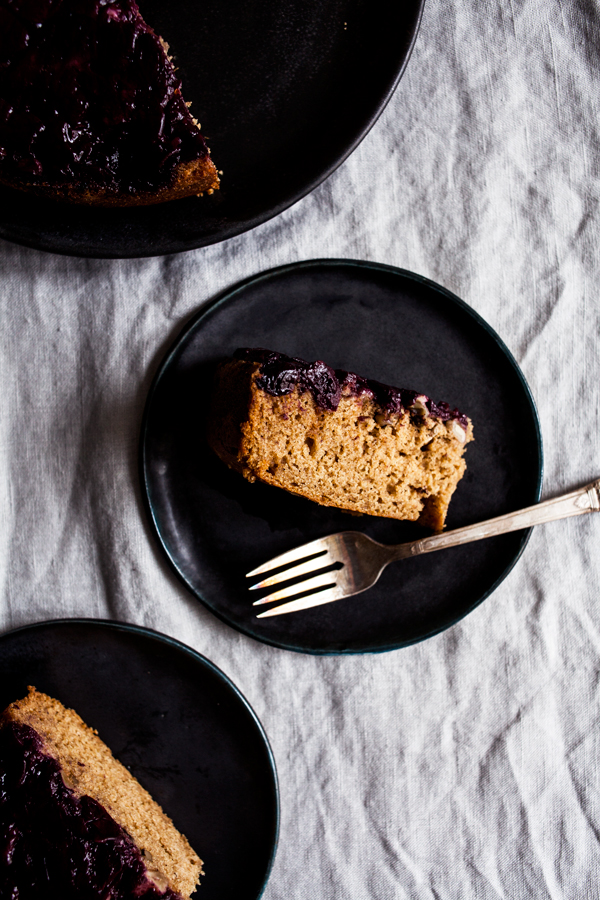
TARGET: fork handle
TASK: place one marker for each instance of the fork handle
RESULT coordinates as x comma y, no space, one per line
575,503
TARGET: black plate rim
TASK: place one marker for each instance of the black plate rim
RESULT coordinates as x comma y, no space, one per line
140,630
277,209
229,294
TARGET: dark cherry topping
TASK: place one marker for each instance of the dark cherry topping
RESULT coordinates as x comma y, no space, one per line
55,844
88,97
280,374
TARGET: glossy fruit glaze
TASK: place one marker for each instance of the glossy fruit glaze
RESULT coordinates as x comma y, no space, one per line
54,844
280,374
89,99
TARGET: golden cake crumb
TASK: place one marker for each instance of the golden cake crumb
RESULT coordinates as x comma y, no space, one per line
357,457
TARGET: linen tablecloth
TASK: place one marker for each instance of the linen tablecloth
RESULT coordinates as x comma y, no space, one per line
464,766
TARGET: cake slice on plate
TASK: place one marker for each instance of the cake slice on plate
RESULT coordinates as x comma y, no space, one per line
74,823
337,438
91,107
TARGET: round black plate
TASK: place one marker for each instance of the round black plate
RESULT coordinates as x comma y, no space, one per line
383,323
285,90
177,722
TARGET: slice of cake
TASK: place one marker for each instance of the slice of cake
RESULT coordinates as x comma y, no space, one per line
336,438
91,109
74,823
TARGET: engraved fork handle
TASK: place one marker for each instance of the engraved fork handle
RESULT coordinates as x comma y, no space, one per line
575,503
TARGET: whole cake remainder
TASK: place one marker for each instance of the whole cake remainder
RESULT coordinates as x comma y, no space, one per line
91,109
74,823
337,438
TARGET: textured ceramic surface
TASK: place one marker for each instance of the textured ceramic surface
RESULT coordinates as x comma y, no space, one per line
284,91
179,725
383,323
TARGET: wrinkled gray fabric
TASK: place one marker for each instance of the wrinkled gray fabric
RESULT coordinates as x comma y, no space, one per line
466,766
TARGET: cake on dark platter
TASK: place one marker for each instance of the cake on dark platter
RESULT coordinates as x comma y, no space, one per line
74,823
337,438
91,107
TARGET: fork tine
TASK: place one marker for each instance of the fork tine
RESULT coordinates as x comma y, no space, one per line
291,556
335,593
311,565
327,579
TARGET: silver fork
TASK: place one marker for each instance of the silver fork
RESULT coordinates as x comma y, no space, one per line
361,560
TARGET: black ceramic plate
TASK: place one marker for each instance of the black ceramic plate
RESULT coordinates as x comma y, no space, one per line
383,323
177,722
285,89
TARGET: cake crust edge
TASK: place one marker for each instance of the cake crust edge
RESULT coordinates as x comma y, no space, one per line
191,179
